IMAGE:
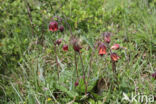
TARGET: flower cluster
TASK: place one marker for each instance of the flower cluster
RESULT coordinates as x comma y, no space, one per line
53,26
102,47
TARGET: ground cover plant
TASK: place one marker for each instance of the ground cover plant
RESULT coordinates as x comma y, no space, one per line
77,51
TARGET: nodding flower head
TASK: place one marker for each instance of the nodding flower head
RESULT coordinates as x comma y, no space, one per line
115,46
76,45
61,28
65,47
107,39
114,57
58,42
102,49
154,75
107,36
76,83
53,26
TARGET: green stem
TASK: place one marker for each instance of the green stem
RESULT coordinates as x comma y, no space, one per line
56,60
76,65
84,74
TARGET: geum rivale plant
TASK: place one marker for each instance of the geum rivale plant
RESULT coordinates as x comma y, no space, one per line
103,48
54,28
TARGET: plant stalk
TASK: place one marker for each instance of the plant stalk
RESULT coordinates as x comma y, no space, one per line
84,75
114,66
56,60
76,66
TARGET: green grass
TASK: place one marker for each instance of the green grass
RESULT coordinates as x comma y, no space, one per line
28,70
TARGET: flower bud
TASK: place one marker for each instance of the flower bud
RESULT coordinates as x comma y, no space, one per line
65,47
58,42
107,36
77,47
76,83
154,75
107,39
61,28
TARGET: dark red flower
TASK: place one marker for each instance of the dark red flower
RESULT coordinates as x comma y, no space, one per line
53,26
77,47
58,42
61,28
102,49
154,75
114,57
76,83
115,46
65,47
75,43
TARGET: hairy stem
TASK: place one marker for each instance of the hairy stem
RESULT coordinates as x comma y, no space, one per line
84,74
114,66
56,60
76,65
90,67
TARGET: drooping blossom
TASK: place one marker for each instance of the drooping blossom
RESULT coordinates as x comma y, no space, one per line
107,36
154,75
53,26
107,39
61,28
102,49
76,45
115,46
114,57
58,42
76,83
65,47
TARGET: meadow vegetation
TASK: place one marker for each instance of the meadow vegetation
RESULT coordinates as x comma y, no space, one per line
76,51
